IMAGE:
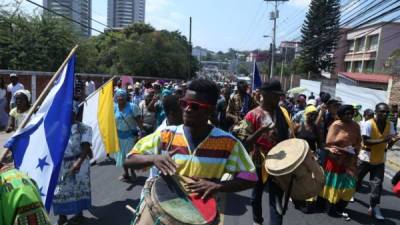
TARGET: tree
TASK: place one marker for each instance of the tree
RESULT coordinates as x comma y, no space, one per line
141,50
33,42
41,43
320,34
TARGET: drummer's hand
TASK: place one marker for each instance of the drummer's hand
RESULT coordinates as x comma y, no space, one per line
165,164
267,127
203,187
335,150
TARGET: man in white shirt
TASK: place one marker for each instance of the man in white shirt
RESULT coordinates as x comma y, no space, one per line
90,86
13,87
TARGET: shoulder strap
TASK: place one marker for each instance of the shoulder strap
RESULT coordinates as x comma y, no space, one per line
169,142
288,121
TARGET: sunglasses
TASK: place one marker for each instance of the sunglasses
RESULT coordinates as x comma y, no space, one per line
383,112
193,105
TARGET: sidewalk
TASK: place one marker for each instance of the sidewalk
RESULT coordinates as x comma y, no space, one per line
393,158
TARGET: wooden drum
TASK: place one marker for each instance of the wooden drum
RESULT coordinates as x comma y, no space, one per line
292,159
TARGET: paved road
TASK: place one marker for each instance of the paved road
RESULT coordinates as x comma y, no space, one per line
110,197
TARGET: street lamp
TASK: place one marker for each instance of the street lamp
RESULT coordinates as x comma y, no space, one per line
270,65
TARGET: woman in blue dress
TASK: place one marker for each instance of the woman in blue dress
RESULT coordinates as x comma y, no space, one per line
73,193
128,121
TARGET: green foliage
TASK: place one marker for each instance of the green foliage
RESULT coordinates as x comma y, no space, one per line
33,42
320,34
243,68
41,43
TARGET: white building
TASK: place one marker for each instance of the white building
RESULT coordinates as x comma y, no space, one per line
121,13
77,10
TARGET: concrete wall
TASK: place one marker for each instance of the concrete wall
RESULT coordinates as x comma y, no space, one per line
394,90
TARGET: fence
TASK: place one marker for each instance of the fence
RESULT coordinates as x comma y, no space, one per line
350,94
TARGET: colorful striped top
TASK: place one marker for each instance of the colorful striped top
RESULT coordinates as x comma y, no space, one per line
217,154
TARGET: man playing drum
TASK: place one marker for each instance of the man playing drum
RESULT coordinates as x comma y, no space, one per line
196,149
261,129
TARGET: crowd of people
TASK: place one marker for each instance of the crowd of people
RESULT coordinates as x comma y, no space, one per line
204,130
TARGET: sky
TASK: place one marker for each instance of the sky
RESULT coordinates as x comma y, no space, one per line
218,24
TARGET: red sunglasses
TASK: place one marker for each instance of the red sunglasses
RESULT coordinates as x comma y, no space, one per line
193,105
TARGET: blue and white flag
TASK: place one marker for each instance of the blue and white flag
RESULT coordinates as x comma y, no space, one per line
256,83
38,149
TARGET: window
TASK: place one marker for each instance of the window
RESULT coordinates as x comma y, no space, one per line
357,67
360,44
351,45
348,66
372,42
369,66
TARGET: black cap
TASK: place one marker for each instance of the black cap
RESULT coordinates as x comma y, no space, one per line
333,101
272,86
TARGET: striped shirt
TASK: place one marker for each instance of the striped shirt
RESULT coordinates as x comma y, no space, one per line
217,154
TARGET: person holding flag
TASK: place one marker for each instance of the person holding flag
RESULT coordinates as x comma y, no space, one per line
38,145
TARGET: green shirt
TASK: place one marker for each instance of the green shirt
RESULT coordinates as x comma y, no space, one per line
20,198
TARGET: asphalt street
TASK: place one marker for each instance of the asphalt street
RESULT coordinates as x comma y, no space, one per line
110,196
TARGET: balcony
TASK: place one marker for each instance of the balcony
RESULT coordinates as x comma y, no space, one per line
359,56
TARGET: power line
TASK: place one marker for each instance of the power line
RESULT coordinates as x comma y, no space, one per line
248,35
90,18
347,6
360,24
65,17
368,31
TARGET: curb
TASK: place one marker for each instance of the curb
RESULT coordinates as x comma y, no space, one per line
393,165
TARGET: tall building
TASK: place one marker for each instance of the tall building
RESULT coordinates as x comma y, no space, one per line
121,13
78,10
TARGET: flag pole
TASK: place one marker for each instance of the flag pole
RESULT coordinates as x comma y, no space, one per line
46,90
97,90
252,80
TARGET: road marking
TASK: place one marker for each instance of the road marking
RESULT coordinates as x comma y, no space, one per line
389,173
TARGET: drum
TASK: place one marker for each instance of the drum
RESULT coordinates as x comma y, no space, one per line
166,202
292,159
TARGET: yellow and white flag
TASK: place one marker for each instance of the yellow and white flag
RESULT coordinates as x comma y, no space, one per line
98,113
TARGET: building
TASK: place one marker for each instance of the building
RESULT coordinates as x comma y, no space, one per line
340,53
369,47
200,52
121,13
258,56
77,10
289,50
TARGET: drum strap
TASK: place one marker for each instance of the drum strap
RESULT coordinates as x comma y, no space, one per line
169,143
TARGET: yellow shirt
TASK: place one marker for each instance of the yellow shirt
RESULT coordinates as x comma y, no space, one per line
377,152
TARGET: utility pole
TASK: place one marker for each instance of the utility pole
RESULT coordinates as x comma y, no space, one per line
190,49
267,61
273,16
282,63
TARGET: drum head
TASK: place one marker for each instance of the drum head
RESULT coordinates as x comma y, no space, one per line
188,209
286,156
